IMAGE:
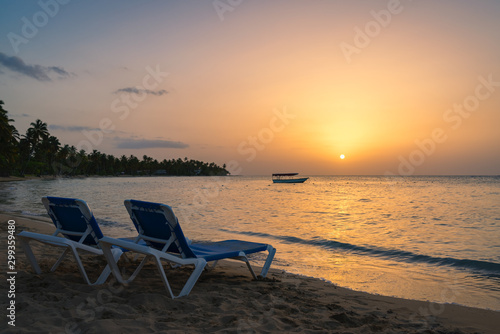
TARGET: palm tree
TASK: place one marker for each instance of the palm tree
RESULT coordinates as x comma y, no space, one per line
36,133
8,138
83,162
95,159
133,163
147,164
50,146
124,165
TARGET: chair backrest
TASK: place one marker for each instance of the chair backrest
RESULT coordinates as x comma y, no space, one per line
158,226
73,219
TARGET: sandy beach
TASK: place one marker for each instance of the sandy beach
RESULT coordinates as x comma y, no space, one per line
224,300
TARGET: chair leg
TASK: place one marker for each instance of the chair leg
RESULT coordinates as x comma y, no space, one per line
112,258
104,274
267,264
117,253
245,259
25,243
163,276
269,260
188,286
58,262
78,263
137,270
198,269
212,266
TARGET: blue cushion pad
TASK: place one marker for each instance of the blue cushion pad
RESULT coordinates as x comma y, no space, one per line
225,249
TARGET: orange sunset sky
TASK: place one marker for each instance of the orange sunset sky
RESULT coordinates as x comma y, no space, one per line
398,87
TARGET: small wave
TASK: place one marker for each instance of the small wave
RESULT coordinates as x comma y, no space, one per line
106,222
491,268
318,212
30,213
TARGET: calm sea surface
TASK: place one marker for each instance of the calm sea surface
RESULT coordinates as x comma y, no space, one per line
424,238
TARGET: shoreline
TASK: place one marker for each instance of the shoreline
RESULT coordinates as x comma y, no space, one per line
43,218
53,177
33,177
226,300
18,178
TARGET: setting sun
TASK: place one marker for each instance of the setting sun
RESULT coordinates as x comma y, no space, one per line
342,156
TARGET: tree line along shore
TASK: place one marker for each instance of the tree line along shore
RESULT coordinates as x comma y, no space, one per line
39,153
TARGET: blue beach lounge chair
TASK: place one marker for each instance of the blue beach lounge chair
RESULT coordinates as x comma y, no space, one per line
159,228
79,232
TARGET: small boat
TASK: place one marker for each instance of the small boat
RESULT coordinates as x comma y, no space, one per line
288,178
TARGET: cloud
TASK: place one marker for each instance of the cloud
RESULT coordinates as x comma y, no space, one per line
71,128
22,115
129,142
135,90
145,143
59,70
77,128
38,72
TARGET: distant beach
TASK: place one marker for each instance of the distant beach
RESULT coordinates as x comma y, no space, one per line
17,178
225,300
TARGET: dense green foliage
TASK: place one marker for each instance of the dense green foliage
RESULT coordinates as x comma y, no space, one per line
39,153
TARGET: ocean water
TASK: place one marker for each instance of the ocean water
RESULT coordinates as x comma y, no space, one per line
423,238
